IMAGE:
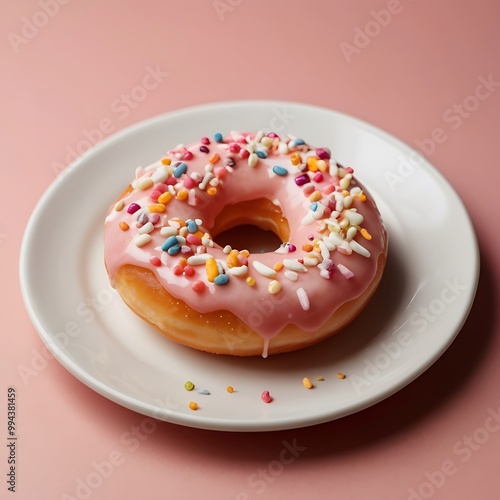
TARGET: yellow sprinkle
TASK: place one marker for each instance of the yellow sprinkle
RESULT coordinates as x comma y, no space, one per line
214,159
229,389
166,160
119,206
361,197
365,234
312,164
274,287
124,226
145,183
165,197
182,194
320,379
211,191
278,266
232,259
307,383
317,249
250,281
193,405
322,165
157,208
245,253
211,269
296,159
315,196
340,375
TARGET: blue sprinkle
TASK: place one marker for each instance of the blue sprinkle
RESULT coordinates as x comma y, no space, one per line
174,250
261,154
191,226
180,169
218,137
169,242
204,391
299,142
221,279
314,206
280,170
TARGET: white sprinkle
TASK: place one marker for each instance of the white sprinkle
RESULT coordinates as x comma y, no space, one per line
147,228
274,287
346,272
347,201
142,239
239,271
345,248
207,241
291,275
227,249
335,239
253,159
282,148
354,217
168,231
325,252
144,183
359,249
198,259
206,179
319,212
309,218
334,169
351,232
160,176
181,240
294,265
266,271
303,298
345,181
183,231
259,135
311,261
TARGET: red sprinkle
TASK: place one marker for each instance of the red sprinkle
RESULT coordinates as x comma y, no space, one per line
132,208
266,397
349,170
205,140
234,148
155,261
187,155
189,271
189,183
318,177
198,286
244,153
154,195
177,270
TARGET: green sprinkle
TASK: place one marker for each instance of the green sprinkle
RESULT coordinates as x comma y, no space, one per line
189,386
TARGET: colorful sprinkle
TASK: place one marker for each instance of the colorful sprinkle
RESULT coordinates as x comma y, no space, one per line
274,287
211,269
250,281
266,397
300,180
280,170
205,392
119,206
180,169
132,208
230,389
340,375
189,386
307,383
218,137
124,226
198,286
193,405
221,279
320,379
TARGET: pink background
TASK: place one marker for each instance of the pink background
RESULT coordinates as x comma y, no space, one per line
63,77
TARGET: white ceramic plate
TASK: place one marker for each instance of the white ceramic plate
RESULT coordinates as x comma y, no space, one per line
419,308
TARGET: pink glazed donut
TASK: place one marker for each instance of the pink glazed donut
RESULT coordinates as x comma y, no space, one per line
162,257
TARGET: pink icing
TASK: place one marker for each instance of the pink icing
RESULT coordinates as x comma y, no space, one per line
307,302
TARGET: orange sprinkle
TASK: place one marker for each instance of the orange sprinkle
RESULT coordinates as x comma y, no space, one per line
124,226
165,197
307,247
214,159
296,159
340,375
361,197
365,234
157,208
230,389
232,259
166,160
312,163
182,194
211,191
278,266
193,406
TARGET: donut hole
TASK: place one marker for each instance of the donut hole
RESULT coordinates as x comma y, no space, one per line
257,226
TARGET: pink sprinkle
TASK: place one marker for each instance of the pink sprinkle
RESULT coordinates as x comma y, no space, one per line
328,189
205,140
154,195
160,187
132,208
189,271
266,397
171,181
272,135
186,250
191,239
187,155
323,154
177,270
291,247
154,218
198,286
302,179
349,170
346,272
189,183
244,153
155,261
234,147
220,172
318,177
308,189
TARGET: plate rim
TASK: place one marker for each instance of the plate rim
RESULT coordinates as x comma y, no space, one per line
223,424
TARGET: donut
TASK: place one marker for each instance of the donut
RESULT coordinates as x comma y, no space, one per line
162,255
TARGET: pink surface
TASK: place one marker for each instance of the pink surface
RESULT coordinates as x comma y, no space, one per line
414,75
